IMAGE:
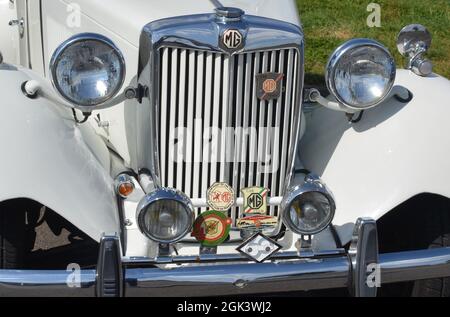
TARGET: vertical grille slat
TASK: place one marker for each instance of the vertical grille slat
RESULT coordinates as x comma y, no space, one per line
268,161
262,108
207,105
182,110
164,100
285,144
172,116
277,131
198,139
216,110
226,116
190,126
200,90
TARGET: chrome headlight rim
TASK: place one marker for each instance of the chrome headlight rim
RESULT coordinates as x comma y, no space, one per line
312,184
57,55
165,194
335,58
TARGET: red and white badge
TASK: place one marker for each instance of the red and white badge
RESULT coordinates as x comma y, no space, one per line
221,197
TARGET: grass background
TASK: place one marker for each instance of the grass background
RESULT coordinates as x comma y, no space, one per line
329,23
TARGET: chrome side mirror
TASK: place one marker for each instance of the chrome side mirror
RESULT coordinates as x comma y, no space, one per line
413,42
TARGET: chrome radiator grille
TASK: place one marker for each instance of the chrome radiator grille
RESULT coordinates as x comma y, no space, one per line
199,90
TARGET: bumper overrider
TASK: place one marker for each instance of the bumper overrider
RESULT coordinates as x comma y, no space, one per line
362,270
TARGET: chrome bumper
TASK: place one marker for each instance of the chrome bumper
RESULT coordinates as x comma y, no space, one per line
230,275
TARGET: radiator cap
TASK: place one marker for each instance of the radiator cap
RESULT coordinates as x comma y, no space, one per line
229,13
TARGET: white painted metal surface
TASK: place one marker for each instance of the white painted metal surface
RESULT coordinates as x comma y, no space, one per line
9,36
396,152
47,158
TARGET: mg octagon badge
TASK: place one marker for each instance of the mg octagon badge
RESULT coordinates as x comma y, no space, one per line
232,40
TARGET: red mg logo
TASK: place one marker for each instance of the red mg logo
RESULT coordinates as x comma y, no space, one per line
232,39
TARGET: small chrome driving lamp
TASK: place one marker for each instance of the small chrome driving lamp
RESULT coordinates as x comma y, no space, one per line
165,215
308,208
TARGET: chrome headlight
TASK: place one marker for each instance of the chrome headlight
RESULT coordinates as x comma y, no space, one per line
309,208
361,73
165,216
87,70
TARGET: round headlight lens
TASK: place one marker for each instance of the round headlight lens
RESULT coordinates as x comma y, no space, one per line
309,213
165,216
361,73
87,70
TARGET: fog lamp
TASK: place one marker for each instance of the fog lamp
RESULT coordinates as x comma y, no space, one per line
308,209
165,216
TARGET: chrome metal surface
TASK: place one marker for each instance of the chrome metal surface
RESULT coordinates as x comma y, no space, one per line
20,23
312,184
14,283
415,265
165,194
122,180
340,52
80,38
363,253
192,77
226,258
413,37
422,67
236,279
413,42
229,13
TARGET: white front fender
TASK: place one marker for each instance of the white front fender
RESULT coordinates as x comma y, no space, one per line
394,153
47,158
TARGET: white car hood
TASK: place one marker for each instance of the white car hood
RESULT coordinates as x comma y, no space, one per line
127,18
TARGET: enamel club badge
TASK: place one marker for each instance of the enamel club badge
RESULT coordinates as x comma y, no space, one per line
255,200
269,85
212,228
259,248
221,197
258,222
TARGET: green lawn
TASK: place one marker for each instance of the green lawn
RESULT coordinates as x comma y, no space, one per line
328,23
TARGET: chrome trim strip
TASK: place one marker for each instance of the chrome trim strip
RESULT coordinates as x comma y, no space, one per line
223,258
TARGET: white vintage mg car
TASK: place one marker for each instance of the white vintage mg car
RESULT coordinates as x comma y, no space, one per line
176,149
